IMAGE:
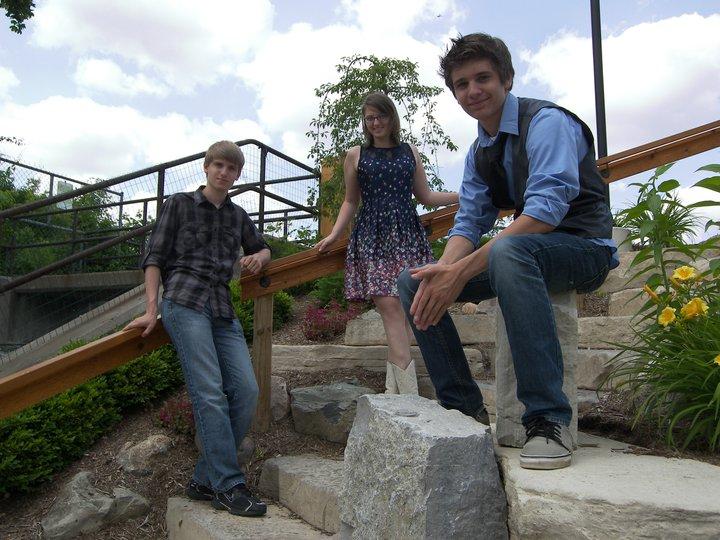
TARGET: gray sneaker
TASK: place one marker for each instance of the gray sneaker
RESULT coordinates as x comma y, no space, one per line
548,445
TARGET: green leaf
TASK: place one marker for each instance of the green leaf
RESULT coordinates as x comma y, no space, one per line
655,203
714,265
713,167
662,169
703,204
668,185
712,182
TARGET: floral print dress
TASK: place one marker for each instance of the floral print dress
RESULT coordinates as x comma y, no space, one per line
388,236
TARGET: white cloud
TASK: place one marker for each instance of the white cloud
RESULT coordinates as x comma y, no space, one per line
81,138
380,16
660,77
93,74
8,80
184,43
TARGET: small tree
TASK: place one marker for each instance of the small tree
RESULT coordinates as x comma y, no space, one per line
18,11
337,125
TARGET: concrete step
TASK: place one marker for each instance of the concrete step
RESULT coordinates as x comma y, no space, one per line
97,322
308,485
590,371
479,329
192,520
608,492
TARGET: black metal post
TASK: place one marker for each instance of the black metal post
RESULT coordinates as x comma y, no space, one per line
160,191
261,205
599,84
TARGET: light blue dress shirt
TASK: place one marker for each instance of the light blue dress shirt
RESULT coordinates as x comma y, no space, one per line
555,146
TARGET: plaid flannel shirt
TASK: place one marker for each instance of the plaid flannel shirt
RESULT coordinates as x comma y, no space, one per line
195,245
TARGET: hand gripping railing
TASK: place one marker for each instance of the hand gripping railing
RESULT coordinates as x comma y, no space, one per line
48,378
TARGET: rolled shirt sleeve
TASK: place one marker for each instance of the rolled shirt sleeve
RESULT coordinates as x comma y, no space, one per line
163,236
476,214
555,144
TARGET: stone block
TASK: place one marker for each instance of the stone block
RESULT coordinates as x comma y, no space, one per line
510,430
308,485
416,470
192,520
324,357
476,328
592,368
604,332
610,493
327,410
627,302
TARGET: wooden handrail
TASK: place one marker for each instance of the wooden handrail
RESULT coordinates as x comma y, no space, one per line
48,378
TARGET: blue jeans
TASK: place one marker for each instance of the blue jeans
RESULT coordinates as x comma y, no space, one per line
221,385
522,269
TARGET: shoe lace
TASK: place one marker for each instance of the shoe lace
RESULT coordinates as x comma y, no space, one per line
542,427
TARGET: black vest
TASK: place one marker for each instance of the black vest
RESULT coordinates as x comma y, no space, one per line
588,216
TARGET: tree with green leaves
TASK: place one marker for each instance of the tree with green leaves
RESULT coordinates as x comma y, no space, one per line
18,11
337,125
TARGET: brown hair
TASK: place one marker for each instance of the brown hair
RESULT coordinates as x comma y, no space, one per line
477,47
384,105
227,150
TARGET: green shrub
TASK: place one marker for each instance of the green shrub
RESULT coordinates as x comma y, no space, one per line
71,345
282,309
329,288
43,439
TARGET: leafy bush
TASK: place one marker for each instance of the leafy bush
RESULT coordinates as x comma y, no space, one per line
322,323
43,439
282,309
330,289
673,365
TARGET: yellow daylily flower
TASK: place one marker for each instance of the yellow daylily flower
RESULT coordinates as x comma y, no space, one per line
684,273
666,316
694,308
717,360
652,294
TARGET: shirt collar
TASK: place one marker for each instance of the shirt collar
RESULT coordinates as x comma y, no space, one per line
508,121
199,198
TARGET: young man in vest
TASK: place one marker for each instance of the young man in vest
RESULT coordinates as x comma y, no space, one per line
538,159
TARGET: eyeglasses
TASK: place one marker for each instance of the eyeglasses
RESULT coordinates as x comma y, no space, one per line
370,119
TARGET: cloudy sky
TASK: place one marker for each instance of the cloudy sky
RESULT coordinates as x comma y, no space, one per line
98,89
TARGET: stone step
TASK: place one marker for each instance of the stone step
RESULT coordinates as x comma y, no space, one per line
192,520
610,493
323,357
585,398
593,332
590,371
308,485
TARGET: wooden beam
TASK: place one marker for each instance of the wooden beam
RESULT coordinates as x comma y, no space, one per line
41,381
262,358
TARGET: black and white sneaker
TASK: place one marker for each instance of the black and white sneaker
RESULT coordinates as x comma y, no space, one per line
198,492
239,501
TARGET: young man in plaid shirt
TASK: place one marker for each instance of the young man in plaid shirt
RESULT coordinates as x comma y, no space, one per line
194,245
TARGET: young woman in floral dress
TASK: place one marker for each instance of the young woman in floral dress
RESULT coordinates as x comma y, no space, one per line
385,173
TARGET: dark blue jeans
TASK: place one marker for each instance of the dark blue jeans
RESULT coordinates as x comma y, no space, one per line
221,384
522,270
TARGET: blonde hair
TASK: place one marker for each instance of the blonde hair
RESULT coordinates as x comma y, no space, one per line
227,150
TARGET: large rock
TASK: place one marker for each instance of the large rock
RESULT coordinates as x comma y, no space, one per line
593,367
607,493
416,470
82,509
478,328
191,520
279,398
308,485
509,411
324,357
137,459
327,411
